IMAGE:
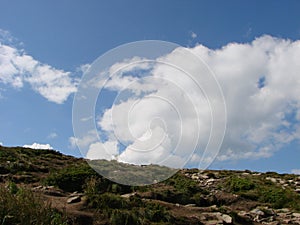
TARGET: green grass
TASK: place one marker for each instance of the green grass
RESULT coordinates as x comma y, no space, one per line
21,206
71,178
264,191
239,184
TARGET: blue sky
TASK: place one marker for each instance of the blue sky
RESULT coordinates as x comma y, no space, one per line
66,35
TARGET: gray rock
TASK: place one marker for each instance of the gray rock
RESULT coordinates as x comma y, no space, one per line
242,213
284,210
227,219
297,190
296,215
245,174
257,212
211,180
190,205
271,223
203,176
256,174
195,176
128,195
271,179
37,188
76,194
281,181
213,222
73,199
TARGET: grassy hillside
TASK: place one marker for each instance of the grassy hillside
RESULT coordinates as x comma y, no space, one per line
47,187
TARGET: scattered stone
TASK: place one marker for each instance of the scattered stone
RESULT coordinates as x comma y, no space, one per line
256,174
214,207
281,181
195,176
73,199
257,212
37,188
49,190
46,187
271,223
190,205
268,211
76,194
286,221
213,222
242,213
211,180
227,219
283,210
271,179
128,195
296,215
203,176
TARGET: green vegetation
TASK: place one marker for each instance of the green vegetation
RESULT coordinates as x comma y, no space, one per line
264,191
106,202
21,206
179,189
131,174
238,184
71,178
121,210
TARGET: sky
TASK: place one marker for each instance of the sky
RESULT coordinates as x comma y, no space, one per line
252,47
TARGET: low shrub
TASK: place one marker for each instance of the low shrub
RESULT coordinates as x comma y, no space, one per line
238,184
71,178
23,207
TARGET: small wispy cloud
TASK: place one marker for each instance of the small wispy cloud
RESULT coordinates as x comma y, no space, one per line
83,68
52,135
296,171
193,35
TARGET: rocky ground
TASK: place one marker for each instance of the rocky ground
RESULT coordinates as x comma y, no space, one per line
189,197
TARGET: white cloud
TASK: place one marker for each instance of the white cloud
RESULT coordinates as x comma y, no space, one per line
296,171
38,146
52,135
193,35
107,150
83,68
261,85
257,123
89,139
1,143
18,68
